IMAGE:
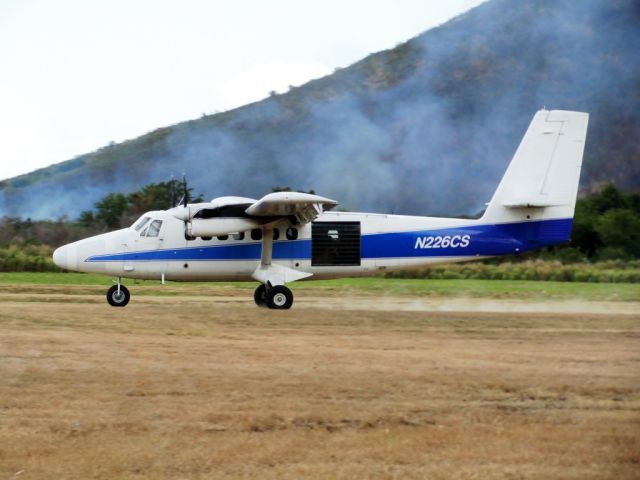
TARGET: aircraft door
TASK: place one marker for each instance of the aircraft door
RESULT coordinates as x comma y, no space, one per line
146,245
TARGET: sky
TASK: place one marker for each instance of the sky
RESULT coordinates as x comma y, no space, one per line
76,75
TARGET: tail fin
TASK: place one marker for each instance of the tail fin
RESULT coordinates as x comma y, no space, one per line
541,181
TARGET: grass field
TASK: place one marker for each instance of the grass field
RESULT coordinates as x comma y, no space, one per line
365,378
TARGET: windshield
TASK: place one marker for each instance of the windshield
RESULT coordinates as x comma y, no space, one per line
154,228
141,223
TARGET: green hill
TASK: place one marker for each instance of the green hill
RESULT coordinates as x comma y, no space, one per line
427,127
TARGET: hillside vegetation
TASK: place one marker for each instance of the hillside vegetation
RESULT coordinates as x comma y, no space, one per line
427,127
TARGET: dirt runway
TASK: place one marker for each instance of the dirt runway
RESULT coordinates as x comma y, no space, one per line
210,386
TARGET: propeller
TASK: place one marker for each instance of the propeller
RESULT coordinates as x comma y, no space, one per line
182,211
185,196
173,191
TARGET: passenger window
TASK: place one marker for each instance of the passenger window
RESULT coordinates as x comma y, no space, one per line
223,237
142,223
154,228
276,234
292,233
238,236
256,234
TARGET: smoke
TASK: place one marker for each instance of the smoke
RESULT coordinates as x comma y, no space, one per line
426,128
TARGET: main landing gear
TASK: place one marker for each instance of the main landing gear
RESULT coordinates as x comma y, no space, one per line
277,297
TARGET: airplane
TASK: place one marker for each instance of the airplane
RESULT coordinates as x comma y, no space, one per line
289,236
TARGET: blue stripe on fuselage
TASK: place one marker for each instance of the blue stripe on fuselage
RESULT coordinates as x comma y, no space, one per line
483,240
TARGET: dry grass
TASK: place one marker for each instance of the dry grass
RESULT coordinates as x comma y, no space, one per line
190,387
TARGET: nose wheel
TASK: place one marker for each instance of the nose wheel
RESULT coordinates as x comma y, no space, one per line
277,297
118,296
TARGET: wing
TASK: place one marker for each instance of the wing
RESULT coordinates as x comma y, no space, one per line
305,207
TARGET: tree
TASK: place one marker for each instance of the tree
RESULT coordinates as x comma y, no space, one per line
619,229
111,209
584,236
87,219
155,196
608,198
605,224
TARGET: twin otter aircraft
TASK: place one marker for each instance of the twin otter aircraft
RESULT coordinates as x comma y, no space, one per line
289,236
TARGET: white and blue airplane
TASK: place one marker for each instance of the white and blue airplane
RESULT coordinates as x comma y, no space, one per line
288,236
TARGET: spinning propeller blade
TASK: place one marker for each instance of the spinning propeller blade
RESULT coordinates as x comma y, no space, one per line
184,201
185,196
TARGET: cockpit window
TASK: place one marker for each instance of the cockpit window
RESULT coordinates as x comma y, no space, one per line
141,223
154,228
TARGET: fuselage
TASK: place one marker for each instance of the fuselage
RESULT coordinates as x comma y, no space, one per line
335,244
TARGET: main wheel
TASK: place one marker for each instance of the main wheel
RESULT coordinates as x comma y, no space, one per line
118,298
260,295
279,297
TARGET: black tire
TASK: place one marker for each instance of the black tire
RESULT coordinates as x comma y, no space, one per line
118,300
279,297
260,295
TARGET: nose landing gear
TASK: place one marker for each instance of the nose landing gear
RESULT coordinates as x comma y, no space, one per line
118,295
277,297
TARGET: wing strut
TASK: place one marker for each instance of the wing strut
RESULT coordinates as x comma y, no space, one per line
272,274
267,246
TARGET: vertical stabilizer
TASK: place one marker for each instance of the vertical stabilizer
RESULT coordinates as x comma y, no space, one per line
541,181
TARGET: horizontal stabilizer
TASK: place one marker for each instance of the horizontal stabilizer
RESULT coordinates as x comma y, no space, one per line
532,203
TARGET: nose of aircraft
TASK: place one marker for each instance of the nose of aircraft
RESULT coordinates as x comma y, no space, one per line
61,257
77,256
58,256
